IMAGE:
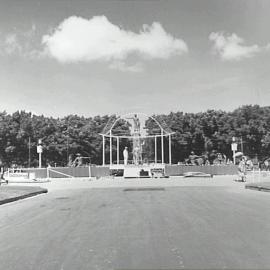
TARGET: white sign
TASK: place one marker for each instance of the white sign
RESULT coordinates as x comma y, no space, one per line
234,146
39,149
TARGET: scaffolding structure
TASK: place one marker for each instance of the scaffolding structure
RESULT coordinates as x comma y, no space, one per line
137,136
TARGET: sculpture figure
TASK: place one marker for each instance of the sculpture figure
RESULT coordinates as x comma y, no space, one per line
136,155
136,124
125,154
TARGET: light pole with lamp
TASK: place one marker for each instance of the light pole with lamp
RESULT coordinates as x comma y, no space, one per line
234,148
39,151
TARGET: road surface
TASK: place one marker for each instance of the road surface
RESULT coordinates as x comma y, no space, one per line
184,227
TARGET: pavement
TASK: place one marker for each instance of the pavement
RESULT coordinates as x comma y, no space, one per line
13,193
17,190
116,182
260,186
174,223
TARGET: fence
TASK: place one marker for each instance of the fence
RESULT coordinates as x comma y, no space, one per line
103,171
260,175
174,170
66,172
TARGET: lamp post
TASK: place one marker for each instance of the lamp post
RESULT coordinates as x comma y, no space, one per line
111,147
117,150
103,150
234,148
162,147
39,151
170,150
155,149
67,137
29,152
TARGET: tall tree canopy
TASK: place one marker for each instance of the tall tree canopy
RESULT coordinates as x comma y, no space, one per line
199,132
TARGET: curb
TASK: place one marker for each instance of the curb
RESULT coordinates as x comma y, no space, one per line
27,182
259,188
13,199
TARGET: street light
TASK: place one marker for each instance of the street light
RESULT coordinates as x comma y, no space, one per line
234,148
39,151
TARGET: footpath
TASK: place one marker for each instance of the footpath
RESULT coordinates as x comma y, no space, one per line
261,186
17,191
13,193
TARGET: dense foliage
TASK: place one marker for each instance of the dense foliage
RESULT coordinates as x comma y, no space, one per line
201,132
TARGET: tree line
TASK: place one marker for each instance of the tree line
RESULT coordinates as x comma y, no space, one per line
203,133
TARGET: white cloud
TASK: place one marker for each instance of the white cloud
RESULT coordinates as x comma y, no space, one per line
231,47
11,44
97,39
122,66
267,47
20,43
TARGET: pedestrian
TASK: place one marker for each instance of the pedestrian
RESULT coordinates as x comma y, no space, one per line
242,170
249,164
192,158
266,165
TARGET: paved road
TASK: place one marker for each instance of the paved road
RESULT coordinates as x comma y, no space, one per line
184,227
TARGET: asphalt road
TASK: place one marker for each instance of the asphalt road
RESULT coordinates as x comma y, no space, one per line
176,228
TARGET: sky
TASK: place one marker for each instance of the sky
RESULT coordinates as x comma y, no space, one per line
61,57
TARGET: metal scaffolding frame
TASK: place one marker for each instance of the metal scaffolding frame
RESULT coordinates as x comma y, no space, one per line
108,133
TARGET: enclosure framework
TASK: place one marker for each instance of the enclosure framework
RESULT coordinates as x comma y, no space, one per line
108,135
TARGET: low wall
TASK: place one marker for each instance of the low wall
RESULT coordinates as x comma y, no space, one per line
103,171
173,170
100,171
39,172
62,172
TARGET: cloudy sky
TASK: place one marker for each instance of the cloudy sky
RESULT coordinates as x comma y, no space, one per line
84,57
